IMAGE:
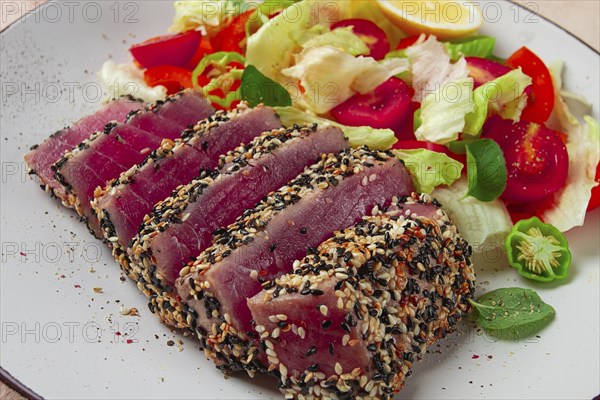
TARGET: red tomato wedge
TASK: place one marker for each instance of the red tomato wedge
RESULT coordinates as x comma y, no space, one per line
176,49
541,99
388,106
408,41
373,36
173,78
537,161
231,38
595,199
483,70
418,144
204,48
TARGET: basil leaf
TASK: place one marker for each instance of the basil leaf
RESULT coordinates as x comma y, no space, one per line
259,89
512,313
486,169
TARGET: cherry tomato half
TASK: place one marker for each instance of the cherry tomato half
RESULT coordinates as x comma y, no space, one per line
176,49
537,161
541,99
373,36
173,78
483,70
388,106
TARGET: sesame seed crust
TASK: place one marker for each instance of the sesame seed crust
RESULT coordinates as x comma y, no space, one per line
231,349
403,280
167,149
163,300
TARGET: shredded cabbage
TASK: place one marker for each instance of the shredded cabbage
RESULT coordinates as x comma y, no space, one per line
331,76
429,169
483,225
126,79
378,139
442,115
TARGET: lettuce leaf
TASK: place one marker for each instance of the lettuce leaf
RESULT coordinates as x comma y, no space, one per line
503,96
429,169
443,112
331,76
483,225
569,205
472,46
431,67
378,139
126,79
210,15
341,38
563,118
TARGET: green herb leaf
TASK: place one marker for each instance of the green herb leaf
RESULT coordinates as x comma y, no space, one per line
486,169
512,313
259,89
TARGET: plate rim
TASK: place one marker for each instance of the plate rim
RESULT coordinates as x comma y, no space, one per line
24,390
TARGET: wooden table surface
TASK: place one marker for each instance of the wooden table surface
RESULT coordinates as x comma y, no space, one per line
580,17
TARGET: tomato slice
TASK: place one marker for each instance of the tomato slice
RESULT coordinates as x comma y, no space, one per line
595,199
541,99
373,36
231,38
418,144
173,78
176,49
483,70
537,161
388,106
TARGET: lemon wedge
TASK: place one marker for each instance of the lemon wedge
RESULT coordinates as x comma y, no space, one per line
446,19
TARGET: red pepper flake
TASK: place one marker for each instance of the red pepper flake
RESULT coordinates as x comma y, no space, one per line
475,357
77,286
62,276
23,254
129,341
118,333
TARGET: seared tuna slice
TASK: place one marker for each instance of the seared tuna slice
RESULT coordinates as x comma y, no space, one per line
105,155
41,157
121,206
180,227
263,243
357,312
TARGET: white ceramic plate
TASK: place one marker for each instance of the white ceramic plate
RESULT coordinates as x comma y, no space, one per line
59,337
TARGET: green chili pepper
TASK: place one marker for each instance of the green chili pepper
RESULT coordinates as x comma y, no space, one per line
538,251
219,60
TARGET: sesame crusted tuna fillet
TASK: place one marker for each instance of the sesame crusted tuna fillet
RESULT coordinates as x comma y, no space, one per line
180,227
41,157
356,313
263,243
122,205
105,155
